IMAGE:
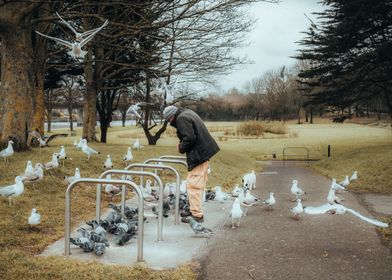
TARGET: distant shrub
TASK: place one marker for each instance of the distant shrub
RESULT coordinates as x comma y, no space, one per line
257,128
251,128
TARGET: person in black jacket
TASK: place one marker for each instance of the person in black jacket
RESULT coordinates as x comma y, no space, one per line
199,146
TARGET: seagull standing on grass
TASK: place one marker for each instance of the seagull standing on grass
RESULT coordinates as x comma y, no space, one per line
128,156
297,191
29,171
36,175
54,163
108,163
35,218
137,145
14,190
270,202
297,210
236,213
87,150
78,144
70,179
354,176
345,182
7,152
62,154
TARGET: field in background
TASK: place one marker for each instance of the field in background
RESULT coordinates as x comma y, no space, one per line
354,147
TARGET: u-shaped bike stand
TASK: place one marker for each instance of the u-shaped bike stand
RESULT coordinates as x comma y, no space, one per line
173,157
140,173
134,186
177,201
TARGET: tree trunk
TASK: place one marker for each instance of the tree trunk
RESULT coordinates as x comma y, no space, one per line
311,114
123,117
104,125
16,89
49,119
90,102
70,119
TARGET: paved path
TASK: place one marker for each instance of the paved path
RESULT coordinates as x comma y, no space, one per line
271,245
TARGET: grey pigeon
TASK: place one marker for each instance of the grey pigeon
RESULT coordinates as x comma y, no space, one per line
99,248
123,238
83,242
198,228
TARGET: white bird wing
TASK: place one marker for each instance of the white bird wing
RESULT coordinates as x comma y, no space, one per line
90,150
89,37
7,190
322,209
369,220
60,41
68,25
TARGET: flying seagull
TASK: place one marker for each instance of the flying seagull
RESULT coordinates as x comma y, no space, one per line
134,109
80,36
340,210
43,140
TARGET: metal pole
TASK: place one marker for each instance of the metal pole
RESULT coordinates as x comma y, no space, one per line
141,173
172,157
178,182
107,181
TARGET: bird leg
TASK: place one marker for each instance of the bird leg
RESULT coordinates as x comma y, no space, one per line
9,201
232,223
238,223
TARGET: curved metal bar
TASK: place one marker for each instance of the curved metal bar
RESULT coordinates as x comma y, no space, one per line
163,167
177,202
141,173
172,157
295,148
104,181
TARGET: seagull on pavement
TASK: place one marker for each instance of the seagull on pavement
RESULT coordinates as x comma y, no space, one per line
332,198
236,213
14,190
297,191
7,152
297,210
270,202
35,218
340,210
220,195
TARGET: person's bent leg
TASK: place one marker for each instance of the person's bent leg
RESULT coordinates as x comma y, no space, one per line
196,182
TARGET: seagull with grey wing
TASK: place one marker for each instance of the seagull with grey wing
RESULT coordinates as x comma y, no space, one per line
297,191
198,229
70,179
14,190
7,152
81,36
167,91
135,108
297,210
36,175
236,213
341,210
270,202
76,47
332,198
35,218
87,150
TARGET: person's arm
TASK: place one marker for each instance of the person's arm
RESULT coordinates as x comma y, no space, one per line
188,136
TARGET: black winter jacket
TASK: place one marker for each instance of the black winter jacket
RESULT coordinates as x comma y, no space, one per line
195,140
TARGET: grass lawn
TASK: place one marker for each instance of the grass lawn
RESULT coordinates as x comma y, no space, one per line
354,147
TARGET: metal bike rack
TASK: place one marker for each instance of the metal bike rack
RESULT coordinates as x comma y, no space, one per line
104,181
141,173
295,148
172,157
177,202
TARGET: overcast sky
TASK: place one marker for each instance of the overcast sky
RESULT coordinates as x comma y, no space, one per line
273,39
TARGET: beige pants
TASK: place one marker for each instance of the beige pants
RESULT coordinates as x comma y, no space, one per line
196,182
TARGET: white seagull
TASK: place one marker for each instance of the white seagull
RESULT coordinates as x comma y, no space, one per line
36,175
354,176
7,152
336,186
128,156
247,200
35,218
249,180
137,145
345,182
70,179
29,171
14,190
168,89
79,144
134,109
340,209
236,190
110,189
236,213
297,191
62,154
270,202
80,36
87,150
220,195
108,164
54,163
332,198
297,210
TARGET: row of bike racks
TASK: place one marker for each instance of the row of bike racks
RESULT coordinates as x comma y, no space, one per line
126,183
